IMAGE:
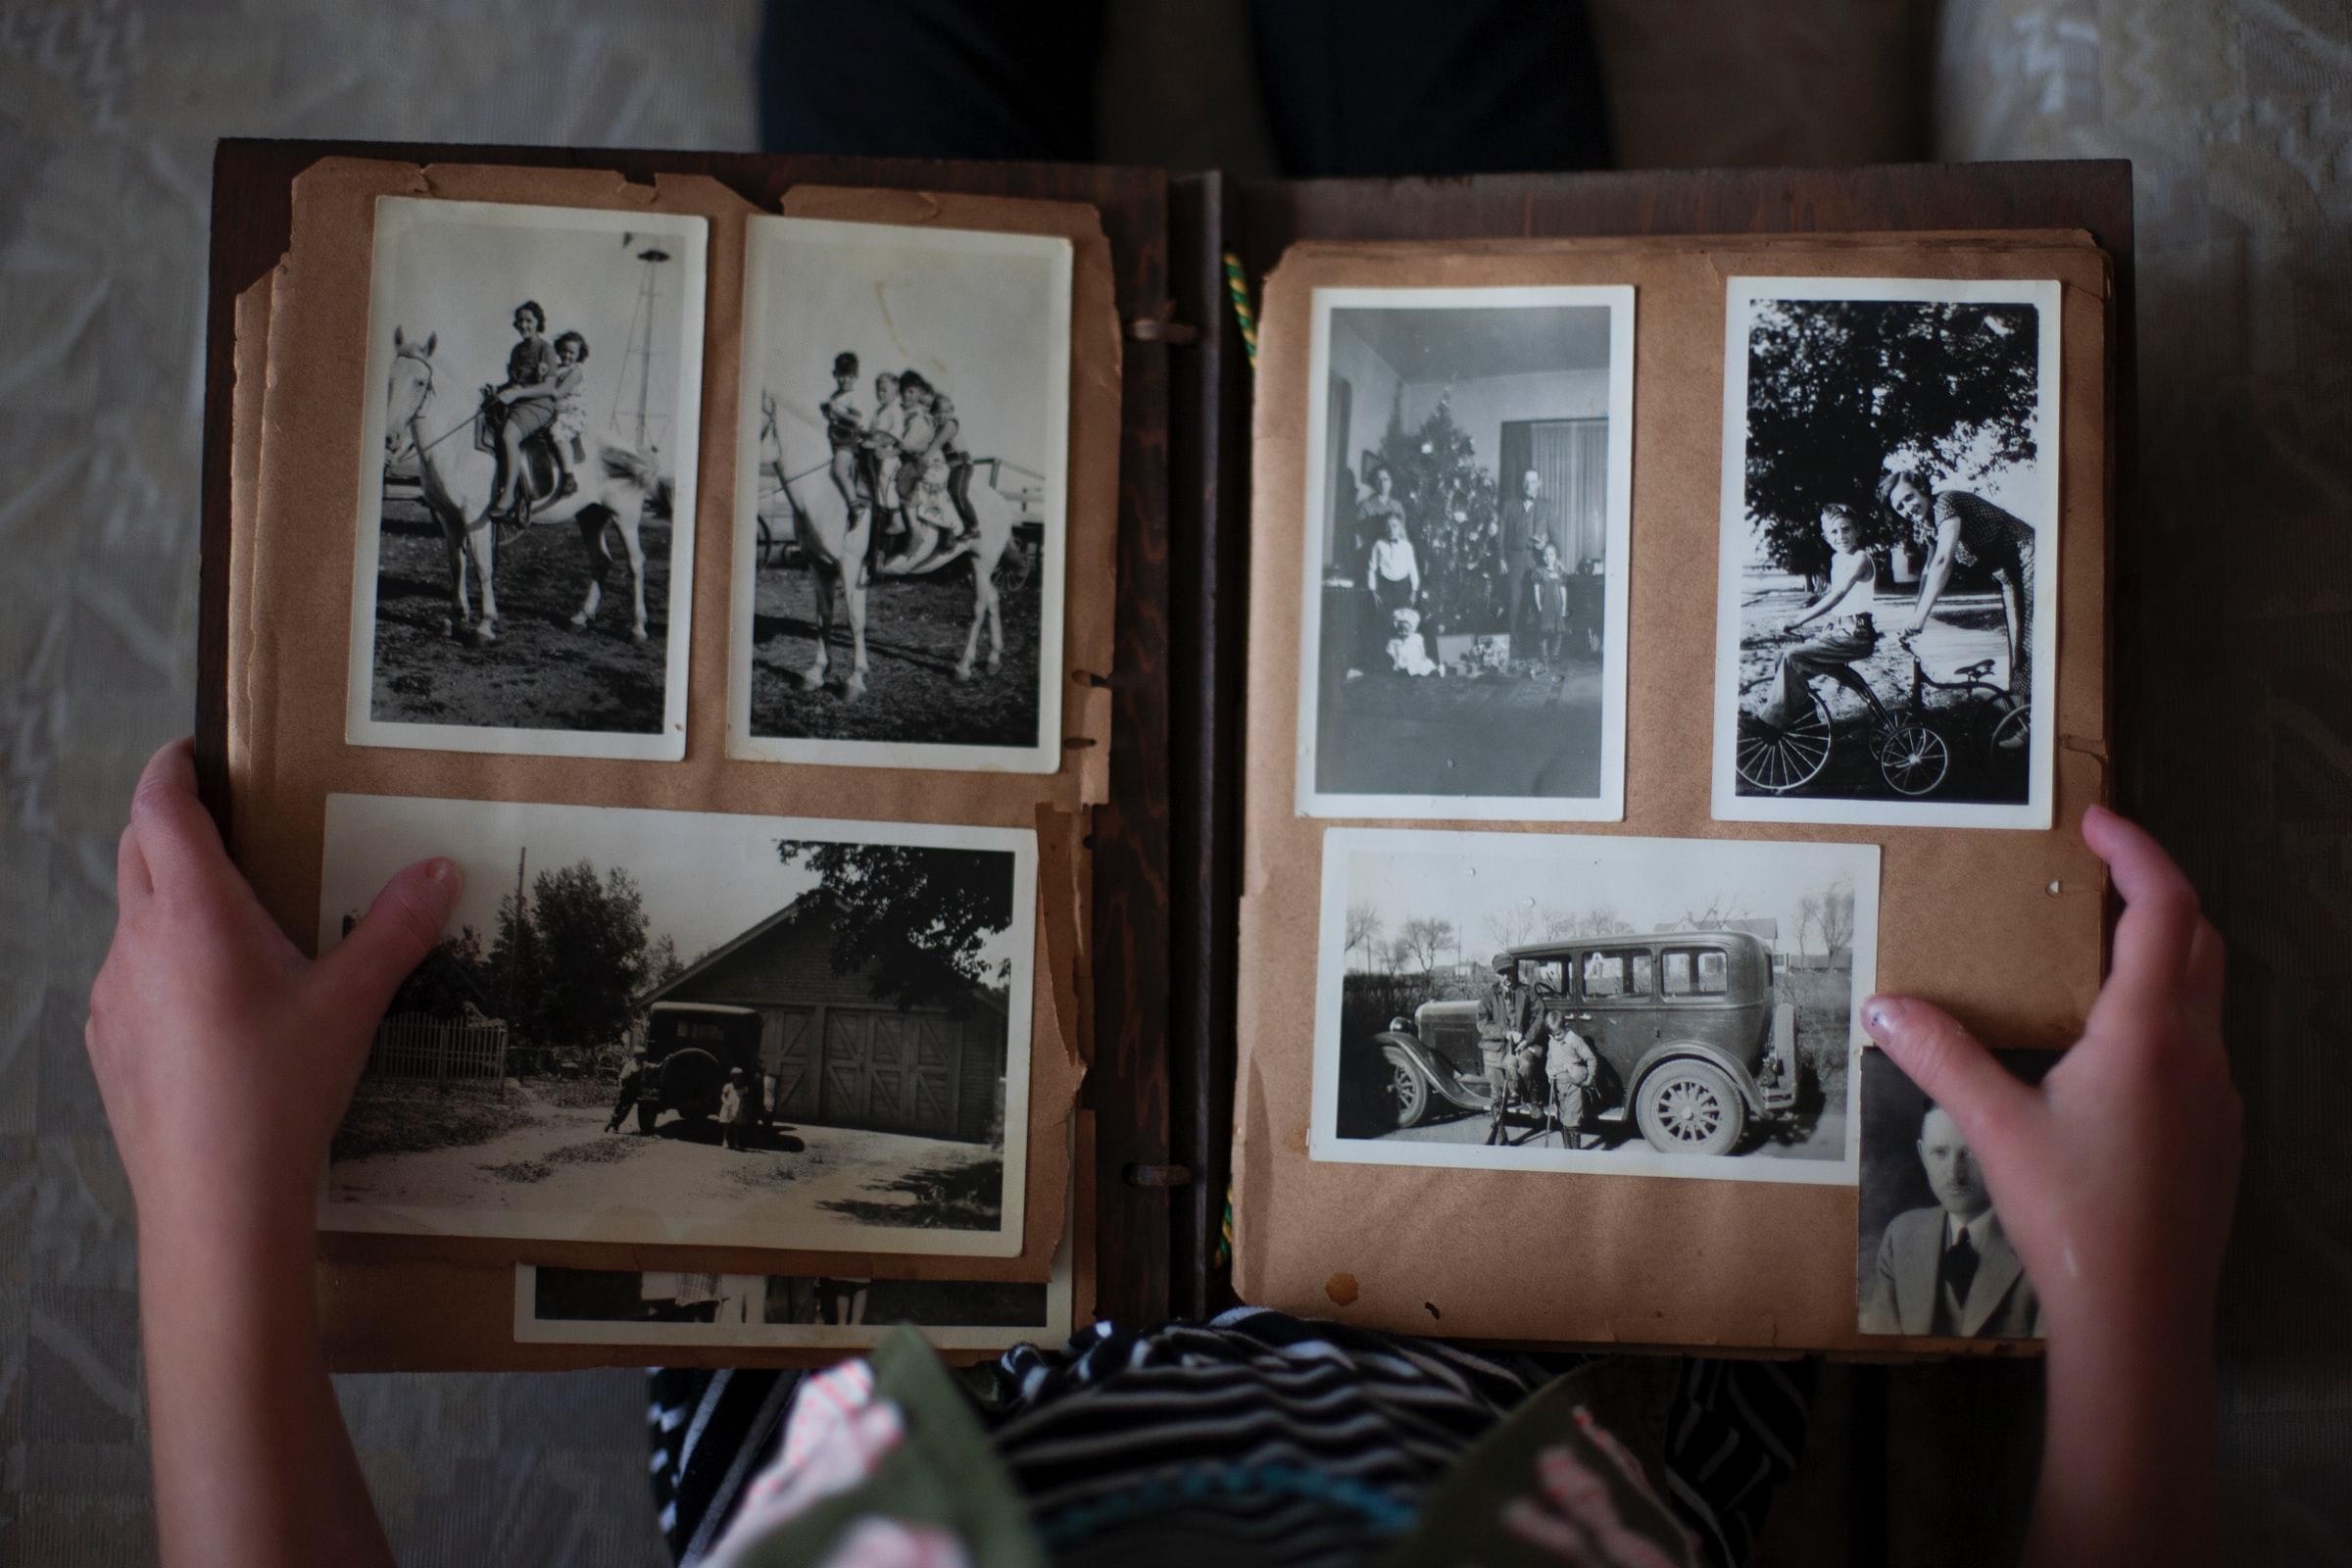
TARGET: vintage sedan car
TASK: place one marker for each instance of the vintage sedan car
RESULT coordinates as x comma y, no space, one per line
1692,1044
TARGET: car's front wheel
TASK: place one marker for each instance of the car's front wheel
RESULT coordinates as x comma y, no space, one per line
1690,1107
1408,1095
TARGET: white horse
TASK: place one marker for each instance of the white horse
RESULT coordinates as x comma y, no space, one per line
460,481
835,540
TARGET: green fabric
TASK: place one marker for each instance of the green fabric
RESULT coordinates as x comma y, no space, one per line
1463,1518
944,1473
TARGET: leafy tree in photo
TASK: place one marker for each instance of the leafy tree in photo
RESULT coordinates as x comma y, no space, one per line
1837,388
456,973
918,915
592,940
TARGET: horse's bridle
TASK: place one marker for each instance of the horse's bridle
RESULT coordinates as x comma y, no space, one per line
422,398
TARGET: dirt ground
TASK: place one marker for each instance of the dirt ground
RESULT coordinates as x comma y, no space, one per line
540,673
1824,1140
914,633
563,1161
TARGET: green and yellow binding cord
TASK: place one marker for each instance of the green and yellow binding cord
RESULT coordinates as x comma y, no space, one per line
1225,1225
1237,286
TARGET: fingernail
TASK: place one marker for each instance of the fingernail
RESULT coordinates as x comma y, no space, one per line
442,872
1875,1016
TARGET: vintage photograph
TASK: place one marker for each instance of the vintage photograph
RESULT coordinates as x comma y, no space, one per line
1886,591
524,563
669,1026
1930,1259
601,1306
1550,1001
1463,640
899,496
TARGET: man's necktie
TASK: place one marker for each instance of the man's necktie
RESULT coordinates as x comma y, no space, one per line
1959,1271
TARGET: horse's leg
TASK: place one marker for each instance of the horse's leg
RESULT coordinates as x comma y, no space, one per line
599,560
855,582
632,545
820,582
461,611
982,592
485,551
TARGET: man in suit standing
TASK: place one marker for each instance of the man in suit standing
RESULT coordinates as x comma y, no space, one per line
1527,527
1949,1272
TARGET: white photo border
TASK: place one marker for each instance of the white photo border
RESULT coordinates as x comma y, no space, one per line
763,237
1608,806
395,216
533,1328
810,1234
1324,1142
1741,297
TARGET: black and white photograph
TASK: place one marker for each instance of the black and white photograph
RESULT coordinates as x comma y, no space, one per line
604,1306
671,1026
1886,593
900,494
1463,636
1560,1003
524,560
1932,1260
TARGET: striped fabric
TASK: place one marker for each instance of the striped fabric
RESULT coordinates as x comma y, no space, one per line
1257,1439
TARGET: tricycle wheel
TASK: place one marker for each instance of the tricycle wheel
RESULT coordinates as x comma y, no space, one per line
1914,759
1408,1095
1690,1107
1776,759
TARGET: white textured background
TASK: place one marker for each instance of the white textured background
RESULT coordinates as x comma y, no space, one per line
2236,113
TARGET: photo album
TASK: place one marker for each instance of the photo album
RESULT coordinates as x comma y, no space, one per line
1004,780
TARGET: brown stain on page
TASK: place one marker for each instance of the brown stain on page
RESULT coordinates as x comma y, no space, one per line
1296,1139
1342,1289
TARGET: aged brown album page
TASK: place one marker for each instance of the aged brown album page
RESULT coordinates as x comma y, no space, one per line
292,553
2002,926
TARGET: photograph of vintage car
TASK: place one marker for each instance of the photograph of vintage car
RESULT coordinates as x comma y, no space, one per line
1540,1001
1691,1045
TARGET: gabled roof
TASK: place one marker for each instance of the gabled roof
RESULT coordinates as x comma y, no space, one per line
808,902
720,954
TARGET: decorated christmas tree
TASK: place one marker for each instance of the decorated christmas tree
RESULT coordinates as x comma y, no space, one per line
1451,516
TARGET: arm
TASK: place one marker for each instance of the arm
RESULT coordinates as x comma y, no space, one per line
1846,572
1938,570
2114,1180
205,1019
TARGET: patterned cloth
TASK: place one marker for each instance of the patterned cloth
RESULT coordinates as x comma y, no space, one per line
1263,1438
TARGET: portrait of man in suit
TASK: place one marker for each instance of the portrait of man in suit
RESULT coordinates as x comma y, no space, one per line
1943,1270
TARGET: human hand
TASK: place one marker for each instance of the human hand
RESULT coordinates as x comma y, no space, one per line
2114,1178
224,1056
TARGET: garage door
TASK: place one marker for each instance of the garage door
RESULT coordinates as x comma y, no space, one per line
784,1055
891,1071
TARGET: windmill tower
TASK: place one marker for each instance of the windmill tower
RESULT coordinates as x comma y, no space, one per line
637,359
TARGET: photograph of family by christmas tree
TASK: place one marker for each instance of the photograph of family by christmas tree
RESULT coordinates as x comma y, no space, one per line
1464,625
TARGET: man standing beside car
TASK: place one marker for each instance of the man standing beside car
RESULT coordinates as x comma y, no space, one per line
1502,1018
632,1079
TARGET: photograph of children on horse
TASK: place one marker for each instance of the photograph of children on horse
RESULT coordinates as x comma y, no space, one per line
539,365
900,519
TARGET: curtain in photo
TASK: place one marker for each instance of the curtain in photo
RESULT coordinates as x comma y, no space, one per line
1572,456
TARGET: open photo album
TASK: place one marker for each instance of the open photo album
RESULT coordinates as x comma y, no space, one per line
1004,780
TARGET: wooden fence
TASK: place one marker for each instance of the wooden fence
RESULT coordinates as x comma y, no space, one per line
418,1046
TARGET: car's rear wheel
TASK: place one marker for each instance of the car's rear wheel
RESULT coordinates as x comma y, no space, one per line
1408,1095
1690,1107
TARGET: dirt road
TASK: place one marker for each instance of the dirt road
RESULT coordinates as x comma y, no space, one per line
540,673
566,1162
1825,1140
